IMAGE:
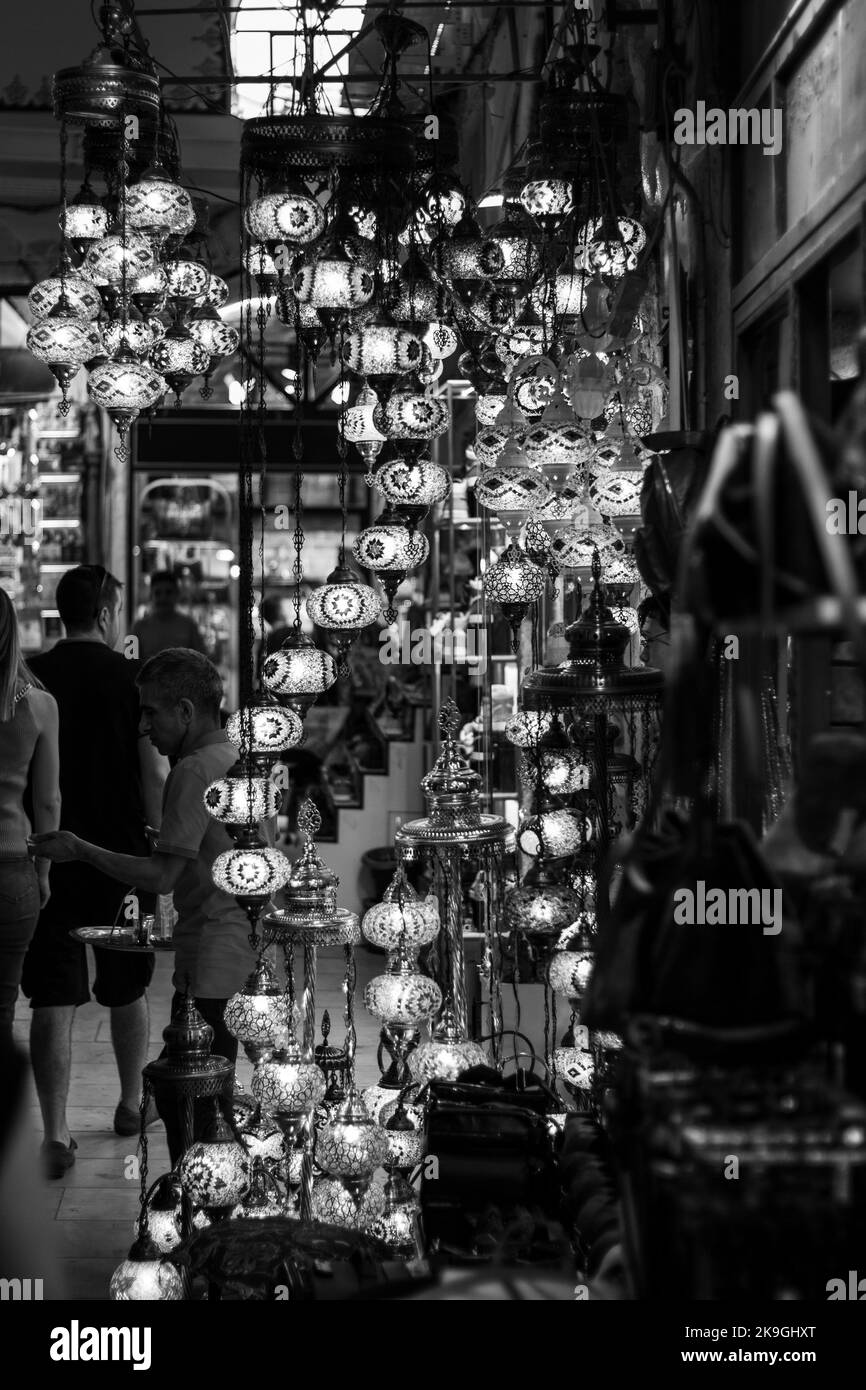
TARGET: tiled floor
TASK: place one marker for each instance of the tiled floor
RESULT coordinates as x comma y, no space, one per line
93,1208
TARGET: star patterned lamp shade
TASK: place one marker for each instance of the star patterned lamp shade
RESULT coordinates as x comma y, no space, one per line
469,255
446,1056
241,798
343,603
252,872
159,205
332,282
389,549
337,1205
410,414
523,340
179,358
351,1145
299,671
381,349
216,1170
117,258
146,1277
547,198
264,730
412,483
554,834
83,299
400,918
288,1084
258,1015
288,212
402,995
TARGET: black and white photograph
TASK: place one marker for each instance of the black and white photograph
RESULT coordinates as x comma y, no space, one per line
433,674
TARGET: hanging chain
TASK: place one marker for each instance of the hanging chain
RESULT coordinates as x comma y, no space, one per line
349,1010
142,1141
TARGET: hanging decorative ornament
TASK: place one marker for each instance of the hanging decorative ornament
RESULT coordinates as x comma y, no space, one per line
136,336
358,428
443,200
511,490
340,1205
216,338
124,387
574,548
299,672
412,485
251,872
264,1198
560,771
541,906
286,1083
410,414
260,265
145,1276
352,1146
399,918
187,282
468,256
64,342
242,797
148,292
609,246
116,259
558,441
159,206
332,283
589,383
515,583
521,257
264,731
258,1015
217,294
163,1214
528,727
441,339
524,339
81,297
561,297
86,219
215,1172
489,405
402,995
342,606
179,358
447,1055
398,1225
554,834
616,492
380,349
390,550
549,199
571,963
414,296
288,211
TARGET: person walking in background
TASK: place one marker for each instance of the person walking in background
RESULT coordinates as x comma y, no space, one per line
164,626
28,755
181,693
111,783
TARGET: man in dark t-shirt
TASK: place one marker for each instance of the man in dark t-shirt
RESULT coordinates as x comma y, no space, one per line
111,786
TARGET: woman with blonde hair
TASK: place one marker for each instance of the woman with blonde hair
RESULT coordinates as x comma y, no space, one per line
28,758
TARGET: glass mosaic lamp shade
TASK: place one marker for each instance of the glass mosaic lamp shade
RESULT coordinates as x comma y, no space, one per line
513,578
116,259
416,483
286,1083
415,295
287,212
511,490
338,1205
488,406
381,348
136,336
402,995
447,1055
554,834
64,339
540,906
264,730
443,200
390,547
159,206
149,291
469,256
163,1219
521,257
410,414
351,1145
558,440
251,872
569,970
573,548
398,1224
574,1067
617,492
215,1171
558,771
589,384
124,387
400,919
242,797
299,671
179,358
260,265
547,198
441,339
217,293
83,299
218,339
187,282
333,282
526,728
145,1277
86,218
562,297
609,246
258,1014
343,603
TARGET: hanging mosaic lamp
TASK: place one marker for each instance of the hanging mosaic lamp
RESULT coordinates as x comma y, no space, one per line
287,211
515,583
402,995
242,797
352,1146
447,1055
441,339
381,349
251,872
358,427
547,199
554,834
64,342
571,963
215,1172
343,606
541,906
124,387
558,441
339,1204
412,485
85,219
148,292
414,296
262,732
521,257
187,282
81,297
299,672
444,200
145,1276
216,338
159,206
258,1014
390,550
609,245
527,728
399,917
116,259
410,414
163,1214
285,1083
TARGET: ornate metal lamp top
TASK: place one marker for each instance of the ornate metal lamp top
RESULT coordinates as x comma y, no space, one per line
311,889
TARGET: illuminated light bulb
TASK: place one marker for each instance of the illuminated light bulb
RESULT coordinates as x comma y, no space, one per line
159,205
286,213
83,299
116,259
148,291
